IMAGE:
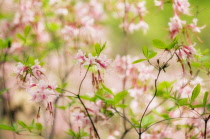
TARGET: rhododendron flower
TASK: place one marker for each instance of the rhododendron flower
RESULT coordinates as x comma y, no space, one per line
182,6
100,61
20,69
143,25
194,27
37,70
141,9
186,52
175,25
80,57
159,3
42,91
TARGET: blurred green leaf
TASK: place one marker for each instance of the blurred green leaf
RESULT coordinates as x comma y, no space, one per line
159,44
195,93
147,120
138,61
38,126
6,127
205,98
183,101
27,30
208,106
120,96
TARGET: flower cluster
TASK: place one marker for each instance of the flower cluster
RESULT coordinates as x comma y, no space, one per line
33,77
176,24
135,22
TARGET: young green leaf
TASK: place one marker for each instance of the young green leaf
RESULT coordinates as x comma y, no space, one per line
208,106
138,61
97,48
120,96
21,123
205,98
39,126
195,93
71,133
159,44
6,127
145,51
147,120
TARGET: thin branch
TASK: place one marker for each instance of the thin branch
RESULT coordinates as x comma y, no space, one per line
80,86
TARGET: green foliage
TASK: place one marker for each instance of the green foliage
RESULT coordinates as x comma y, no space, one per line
99,48
120,96
78,135
147,120
208,106
195,93
148,53
205,98
164,88
162,45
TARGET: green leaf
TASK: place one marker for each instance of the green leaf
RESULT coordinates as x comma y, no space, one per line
147,120
97,48
208,106
151,54
104,45
195,93
107,90
205,98
159,44
145,51
71,133
183,101
6,127
21,123
165,116
38,126
27,30
122,105
197,106
138,61
21,37
120,96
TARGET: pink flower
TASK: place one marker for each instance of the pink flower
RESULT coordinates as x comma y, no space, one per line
182,6
102,62
80,57
194,27
20,69
141,9
159,3
42,91
37,70
175,25
187,52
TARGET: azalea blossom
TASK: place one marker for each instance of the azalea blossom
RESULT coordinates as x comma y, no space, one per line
182,6
194,27
186,52
175,25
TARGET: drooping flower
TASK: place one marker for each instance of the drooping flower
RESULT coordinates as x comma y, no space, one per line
194,26
175,25
182,6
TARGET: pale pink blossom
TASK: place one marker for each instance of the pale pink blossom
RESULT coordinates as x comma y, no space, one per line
62,11
42,91
175,25
182,6
143,25
194,27
141,9
20,69
37,70
159,3
187,52
80,57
